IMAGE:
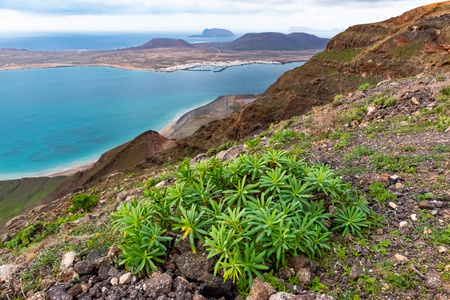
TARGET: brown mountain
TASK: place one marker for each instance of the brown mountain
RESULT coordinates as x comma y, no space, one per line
164,43
121,158
415,42
277,41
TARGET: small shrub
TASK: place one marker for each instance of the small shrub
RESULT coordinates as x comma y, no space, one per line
83,202
45,263
441,148
379,192
338,99
359,151
440,78
385,101
366,86
443,124
344,142
252,144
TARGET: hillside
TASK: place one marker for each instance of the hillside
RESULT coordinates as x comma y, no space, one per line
390,142
19,194
277,41
333,184
164,43
410,44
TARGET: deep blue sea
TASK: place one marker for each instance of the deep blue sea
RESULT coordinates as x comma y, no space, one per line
54,119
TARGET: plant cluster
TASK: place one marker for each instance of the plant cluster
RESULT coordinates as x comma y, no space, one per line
366,86
246,212
37,232
379,192
83,202
385,101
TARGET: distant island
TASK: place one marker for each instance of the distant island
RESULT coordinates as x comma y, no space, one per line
214,32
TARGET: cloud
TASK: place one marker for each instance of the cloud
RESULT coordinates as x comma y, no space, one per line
194,15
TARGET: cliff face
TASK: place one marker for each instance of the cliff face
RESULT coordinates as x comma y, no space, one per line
415,42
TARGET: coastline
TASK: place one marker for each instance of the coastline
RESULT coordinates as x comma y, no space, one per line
212,65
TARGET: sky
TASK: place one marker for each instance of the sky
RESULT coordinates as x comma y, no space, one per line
27,16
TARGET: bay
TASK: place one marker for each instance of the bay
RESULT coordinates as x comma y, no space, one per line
54,119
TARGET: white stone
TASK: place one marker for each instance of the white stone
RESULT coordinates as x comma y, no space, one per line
67,260
393,205
7,272
442,249
401,258
414,217
281,296
403,224
371,110
160,184
125,278
114,281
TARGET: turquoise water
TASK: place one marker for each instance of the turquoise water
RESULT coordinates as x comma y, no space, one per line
54,119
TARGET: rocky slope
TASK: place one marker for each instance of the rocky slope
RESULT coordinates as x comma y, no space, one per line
401,146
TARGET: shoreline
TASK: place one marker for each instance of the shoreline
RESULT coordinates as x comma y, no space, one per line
56,172
222,65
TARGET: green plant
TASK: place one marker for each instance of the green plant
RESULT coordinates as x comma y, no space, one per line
365,86
317,286
247,212
340,252
351,219
385,101
379,192
443,124
242,193
441,148
344,142
192,224
45,263
252,144
338,99
83,202
142,247
359,151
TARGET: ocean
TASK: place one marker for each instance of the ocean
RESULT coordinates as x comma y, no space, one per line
94,41
55,119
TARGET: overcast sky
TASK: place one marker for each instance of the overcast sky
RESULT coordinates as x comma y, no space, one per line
193,15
